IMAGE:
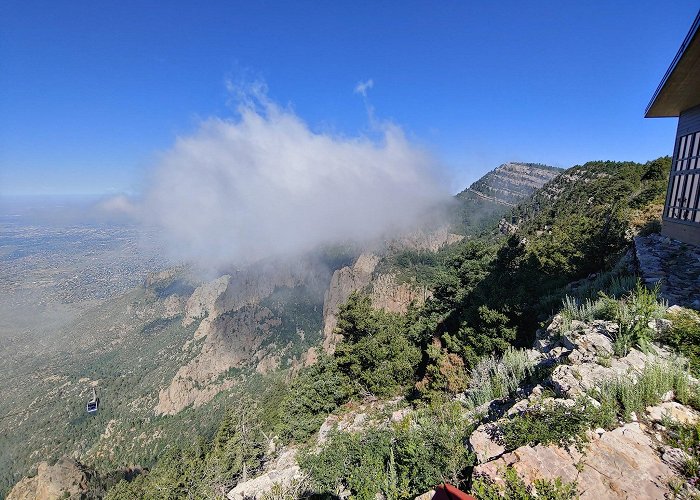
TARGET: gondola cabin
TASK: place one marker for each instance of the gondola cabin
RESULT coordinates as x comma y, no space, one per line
94,403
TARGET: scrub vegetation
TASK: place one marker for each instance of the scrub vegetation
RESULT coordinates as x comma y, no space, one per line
461,349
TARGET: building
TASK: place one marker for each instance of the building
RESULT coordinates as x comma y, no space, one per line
678,95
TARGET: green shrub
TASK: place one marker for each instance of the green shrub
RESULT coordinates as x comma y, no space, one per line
684,336
633,315
588,310
431,447
687,438
514,488
623,395
357,462
489,331
547,423
375,352
426,448
315,392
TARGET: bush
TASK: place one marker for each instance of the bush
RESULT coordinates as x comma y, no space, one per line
687,438
494,378
358,462
445,374
514,488
622,395
586,310
315,392
488,332
431,447
547,423
633,315
426,448
684,336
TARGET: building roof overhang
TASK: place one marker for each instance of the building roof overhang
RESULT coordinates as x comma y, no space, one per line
680,87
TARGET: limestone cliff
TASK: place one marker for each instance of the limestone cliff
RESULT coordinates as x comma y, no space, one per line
511,182
431,240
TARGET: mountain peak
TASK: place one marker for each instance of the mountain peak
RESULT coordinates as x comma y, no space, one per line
512,182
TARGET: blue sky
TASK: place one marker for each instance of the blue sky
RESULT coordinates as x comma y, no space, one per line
91,92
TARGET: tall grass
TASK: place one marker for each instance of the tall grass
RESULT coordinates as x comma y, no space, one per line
633,313
613,283
494,378
588,310
620,396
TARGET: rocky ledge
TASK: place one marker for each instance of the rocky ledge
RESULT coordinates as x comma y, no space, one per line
630,461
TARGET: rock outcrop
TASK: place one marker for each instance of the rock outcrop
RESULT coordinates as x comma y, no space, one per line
388,294
619,464
230,342
630,461
511,182
66,479
584,356
234,332
431,241
282,473
343,283
205,304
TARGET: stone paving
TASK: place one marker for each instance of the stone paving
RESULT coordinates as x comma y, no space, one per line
675,264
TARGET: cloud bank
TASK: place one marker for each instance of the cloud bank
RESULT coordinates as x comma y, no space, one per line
264,184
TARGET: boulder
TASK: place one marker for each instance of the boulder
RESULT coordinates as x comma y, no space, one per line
673,411
484,444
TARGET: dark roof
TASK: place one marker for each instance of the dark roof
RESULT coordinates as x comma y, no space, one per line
680,88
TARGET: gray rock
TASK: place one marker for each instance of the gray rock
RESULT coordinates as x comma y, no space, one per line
675,457
284,473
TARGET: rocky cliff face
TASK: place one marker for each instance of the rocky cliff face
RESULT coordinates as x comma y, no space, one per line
230,341
429,240
236,330
67,479
511,182
384,289
389,294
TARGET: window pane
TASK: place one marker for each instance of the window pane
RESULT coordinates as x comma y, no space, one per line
681,149
672,200
696,148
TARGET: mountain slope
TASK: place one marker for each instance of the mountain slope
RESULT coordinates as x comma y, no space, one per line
484,202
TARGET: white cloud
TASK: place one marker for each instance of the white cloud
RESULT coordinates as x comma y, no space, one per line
362,87
264,184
